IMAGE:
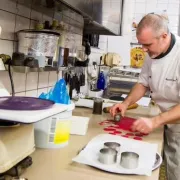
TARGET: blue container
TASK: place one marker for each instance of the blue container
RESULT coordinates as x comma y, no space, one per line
101,81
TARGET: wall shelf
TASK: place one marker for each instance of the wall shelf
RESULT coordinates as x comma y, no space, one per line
25,69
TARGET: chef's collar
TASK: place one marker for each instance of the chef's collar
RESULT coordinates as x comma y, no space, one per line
173,40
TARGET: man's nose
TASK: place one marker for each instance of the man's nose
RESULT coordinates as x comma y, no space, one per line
144,49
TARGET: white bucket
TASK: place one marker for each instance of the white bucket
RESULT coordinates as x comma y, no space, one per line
53,132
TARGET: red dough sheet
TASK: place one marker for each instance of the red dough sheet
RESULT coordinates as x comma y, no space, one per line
125,123
121,128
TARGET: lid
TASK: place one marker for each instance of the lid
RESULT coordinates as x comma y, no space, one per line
24,103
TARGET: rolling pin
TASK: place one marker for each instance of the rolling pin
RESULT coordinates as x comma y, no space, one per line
133,106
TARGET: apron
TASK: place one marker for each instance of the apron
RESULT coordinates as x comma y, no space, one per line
163,81
172,151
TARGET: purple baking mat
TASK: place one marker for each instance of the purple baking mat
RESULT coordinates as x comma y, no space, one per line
24,103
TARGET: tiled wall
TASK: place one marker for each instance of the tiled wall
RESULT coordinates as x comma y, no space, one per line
24,14
171,7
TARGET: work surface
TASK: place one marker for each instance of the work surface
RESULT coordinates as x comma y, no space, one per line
56,164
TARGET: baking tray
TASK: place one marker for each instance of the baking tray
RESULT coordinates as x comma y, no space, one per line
149,159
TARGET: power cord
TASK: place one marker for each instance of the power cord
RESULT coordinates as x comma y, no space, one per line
11,78
7,60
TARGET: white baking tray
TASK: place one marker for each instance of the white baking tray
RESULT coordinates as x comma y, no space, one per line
146,151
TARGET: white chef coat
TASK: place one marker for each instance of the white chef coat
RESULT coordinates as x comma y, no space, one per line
162,77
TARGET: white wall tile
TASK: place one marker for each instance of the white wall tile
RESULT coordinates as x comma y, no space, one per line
151,6
15,46
102,46
174,1
175,32
52,78
31,81
115,6
140,8
66,12
173,9
161,7
40,91
43,79
7,23
97,50
6,47
103,38
4,78
21,94
140,1
173,23
49,88
174,29
58,16
36,15
138,17
23,10
8,5
31,93
60,75
22,23
106,6
19,81
152,1
95,57
173,19
162,1
33,24
47,18
27,2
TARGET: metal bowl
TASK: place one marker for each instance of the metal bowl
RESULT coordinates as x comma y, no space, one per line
112,145
129,160
107,156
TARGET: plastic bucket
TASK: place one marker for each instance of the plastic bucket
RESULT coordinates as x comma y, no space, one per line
53,132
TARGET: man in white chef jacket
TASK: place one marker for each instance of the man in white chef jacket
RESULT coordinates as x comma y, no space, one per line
161,75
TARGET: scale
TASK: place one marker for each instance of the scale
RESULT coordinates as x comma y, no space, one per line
17,116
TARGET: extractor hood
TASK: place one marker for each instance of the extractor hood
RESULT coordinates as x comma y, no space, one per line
100,16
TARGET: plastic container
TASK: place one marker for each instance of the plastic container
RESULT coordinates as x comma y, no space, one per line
97,106
101,81
53,132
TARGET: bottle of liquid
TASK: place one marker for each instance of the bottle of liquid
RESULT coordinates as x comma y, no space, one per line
101,81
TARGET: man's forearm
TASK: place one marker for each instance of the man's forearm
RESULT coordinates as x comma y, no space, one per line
137,92
167,117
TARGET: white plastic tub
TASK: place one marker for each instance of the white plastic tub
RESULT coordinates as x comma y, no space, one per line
53,132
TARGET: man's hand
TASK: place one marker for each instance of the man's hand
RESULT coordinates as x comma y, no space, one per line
144,125
121,107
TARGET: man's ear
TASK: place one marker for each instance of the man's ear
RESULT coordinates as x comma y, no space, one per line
164,35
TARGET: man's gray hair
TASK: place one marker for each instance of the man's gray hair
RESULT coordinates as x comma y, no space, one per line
158,24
